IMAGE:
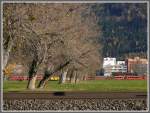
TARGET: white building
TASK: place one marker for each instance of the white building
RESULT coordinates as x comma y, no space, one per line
110,65
121,63
119,68
109,62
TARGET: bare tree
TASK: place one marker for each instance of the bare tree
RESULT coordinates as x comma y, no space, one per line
64,35
10,29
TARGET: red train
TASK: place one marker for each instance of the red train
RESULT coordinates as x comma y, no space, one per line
20,78
118,77
39,77
130,77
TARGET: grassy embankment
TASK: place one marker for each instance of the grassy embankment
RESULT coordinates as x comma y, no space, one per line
89,86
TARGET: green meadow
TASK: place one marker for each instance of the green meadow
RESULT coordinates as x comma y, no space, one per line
88,86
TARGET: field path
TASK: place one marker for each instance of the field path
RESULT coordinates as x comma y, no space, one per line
80,95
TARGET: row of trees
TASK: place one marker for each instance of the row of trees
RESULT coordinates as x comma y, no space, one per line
59,38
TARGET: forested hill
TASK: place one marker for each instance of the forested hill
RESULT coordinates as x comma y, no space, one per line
124,29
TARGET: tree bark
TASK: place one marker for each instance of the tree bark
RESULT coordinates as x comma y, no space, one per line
6,54
5,59
32,75
31,83
64,75
60,78
9,46
42,83
46,77
76,77
73,77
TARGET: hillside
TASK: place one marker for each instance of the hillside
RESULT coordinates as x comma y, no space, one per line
123,28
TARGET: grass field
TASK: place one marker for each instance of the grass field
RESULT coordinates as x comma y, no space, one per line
89,86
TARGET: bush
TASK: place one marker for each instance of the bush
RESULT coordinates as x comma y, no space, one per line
9,69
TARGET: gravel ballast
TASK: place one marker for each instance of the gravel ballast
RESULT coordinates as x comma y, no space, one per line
75,104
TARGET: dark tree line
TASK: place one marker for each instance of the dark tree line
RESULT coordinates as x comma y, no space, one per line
124,29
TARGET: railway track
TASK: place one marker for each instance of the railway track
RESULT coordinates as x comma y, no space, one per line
74,95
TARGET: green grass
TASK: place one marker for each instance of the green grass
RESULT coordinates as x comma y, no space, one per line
89,86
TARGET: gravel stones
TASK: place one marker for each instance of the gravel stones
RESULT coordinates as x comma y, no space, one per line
75,104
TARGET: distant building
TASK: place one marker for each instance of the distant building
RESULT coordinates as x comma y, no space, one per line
109,62
119,68
108,70
137,65
110,65
121,63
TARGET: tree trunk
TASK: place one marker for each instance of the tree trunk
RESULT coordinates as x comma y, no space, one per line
77,77
31,83
32,75
42,83
73,78
84,77
46,77
7,52
63,77
5,59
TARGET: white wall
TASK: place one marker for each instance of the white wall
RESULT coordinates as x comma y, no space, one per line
109,62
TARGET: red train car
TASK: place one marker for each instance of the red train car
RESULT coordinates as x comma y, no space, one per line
20,78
